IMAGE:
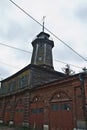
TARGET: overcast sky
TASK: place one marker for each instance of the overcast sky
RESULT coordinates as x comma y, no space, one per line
67,19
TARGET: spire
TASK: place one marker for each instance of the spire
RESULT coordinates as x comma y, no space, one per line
43,22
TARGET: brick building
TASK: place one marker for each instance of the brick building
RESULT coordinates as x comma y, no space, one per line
40,97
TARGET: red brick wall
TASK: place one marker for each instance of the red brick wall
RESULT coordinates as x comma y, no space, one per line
22,103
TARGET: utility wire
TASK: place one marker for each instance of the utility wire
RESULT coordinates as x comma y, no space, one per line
14,48
48,30
9,65
68,64
54,60
31,53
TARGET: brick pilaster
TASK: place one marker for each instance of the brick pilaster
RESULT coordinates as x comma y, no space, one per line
12,111
26,110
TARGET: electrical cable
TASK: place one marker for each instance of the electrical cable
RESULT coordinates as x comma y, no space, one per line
14,47
48,30
9,65
31,53
68,64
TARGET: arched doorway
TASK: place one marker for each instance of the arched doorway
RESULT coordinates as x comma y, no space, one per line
19,112
60,115
36,117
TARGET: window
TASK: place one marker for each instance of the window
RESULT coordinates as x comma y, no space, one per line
12,86
37,110
60,106
54,107
34,111
41,110
65,107
3,90
23,81
20,110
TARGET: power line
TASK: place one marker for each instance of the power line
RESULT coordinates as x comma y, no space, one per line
14,47
68,64
48,31
31,52
54,60
9,65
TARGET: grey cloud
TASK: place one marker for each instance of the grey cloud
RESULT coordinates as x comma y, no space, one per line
19,31
81,12
65,54
4,71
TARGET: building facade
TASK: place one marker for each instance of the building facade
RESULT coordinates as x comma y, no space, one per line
42,98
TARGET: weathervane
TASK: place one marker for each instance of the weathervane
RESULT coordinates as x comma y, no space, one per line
43,22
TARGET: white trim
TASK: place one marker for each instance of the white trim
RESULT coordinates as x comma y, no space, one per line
44,53
35,59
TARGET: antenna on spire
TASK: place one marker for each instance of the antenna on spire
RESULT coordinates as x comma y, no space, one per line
43,22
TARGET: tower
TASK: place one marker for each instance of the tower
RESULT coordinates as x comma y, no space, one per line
42,51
